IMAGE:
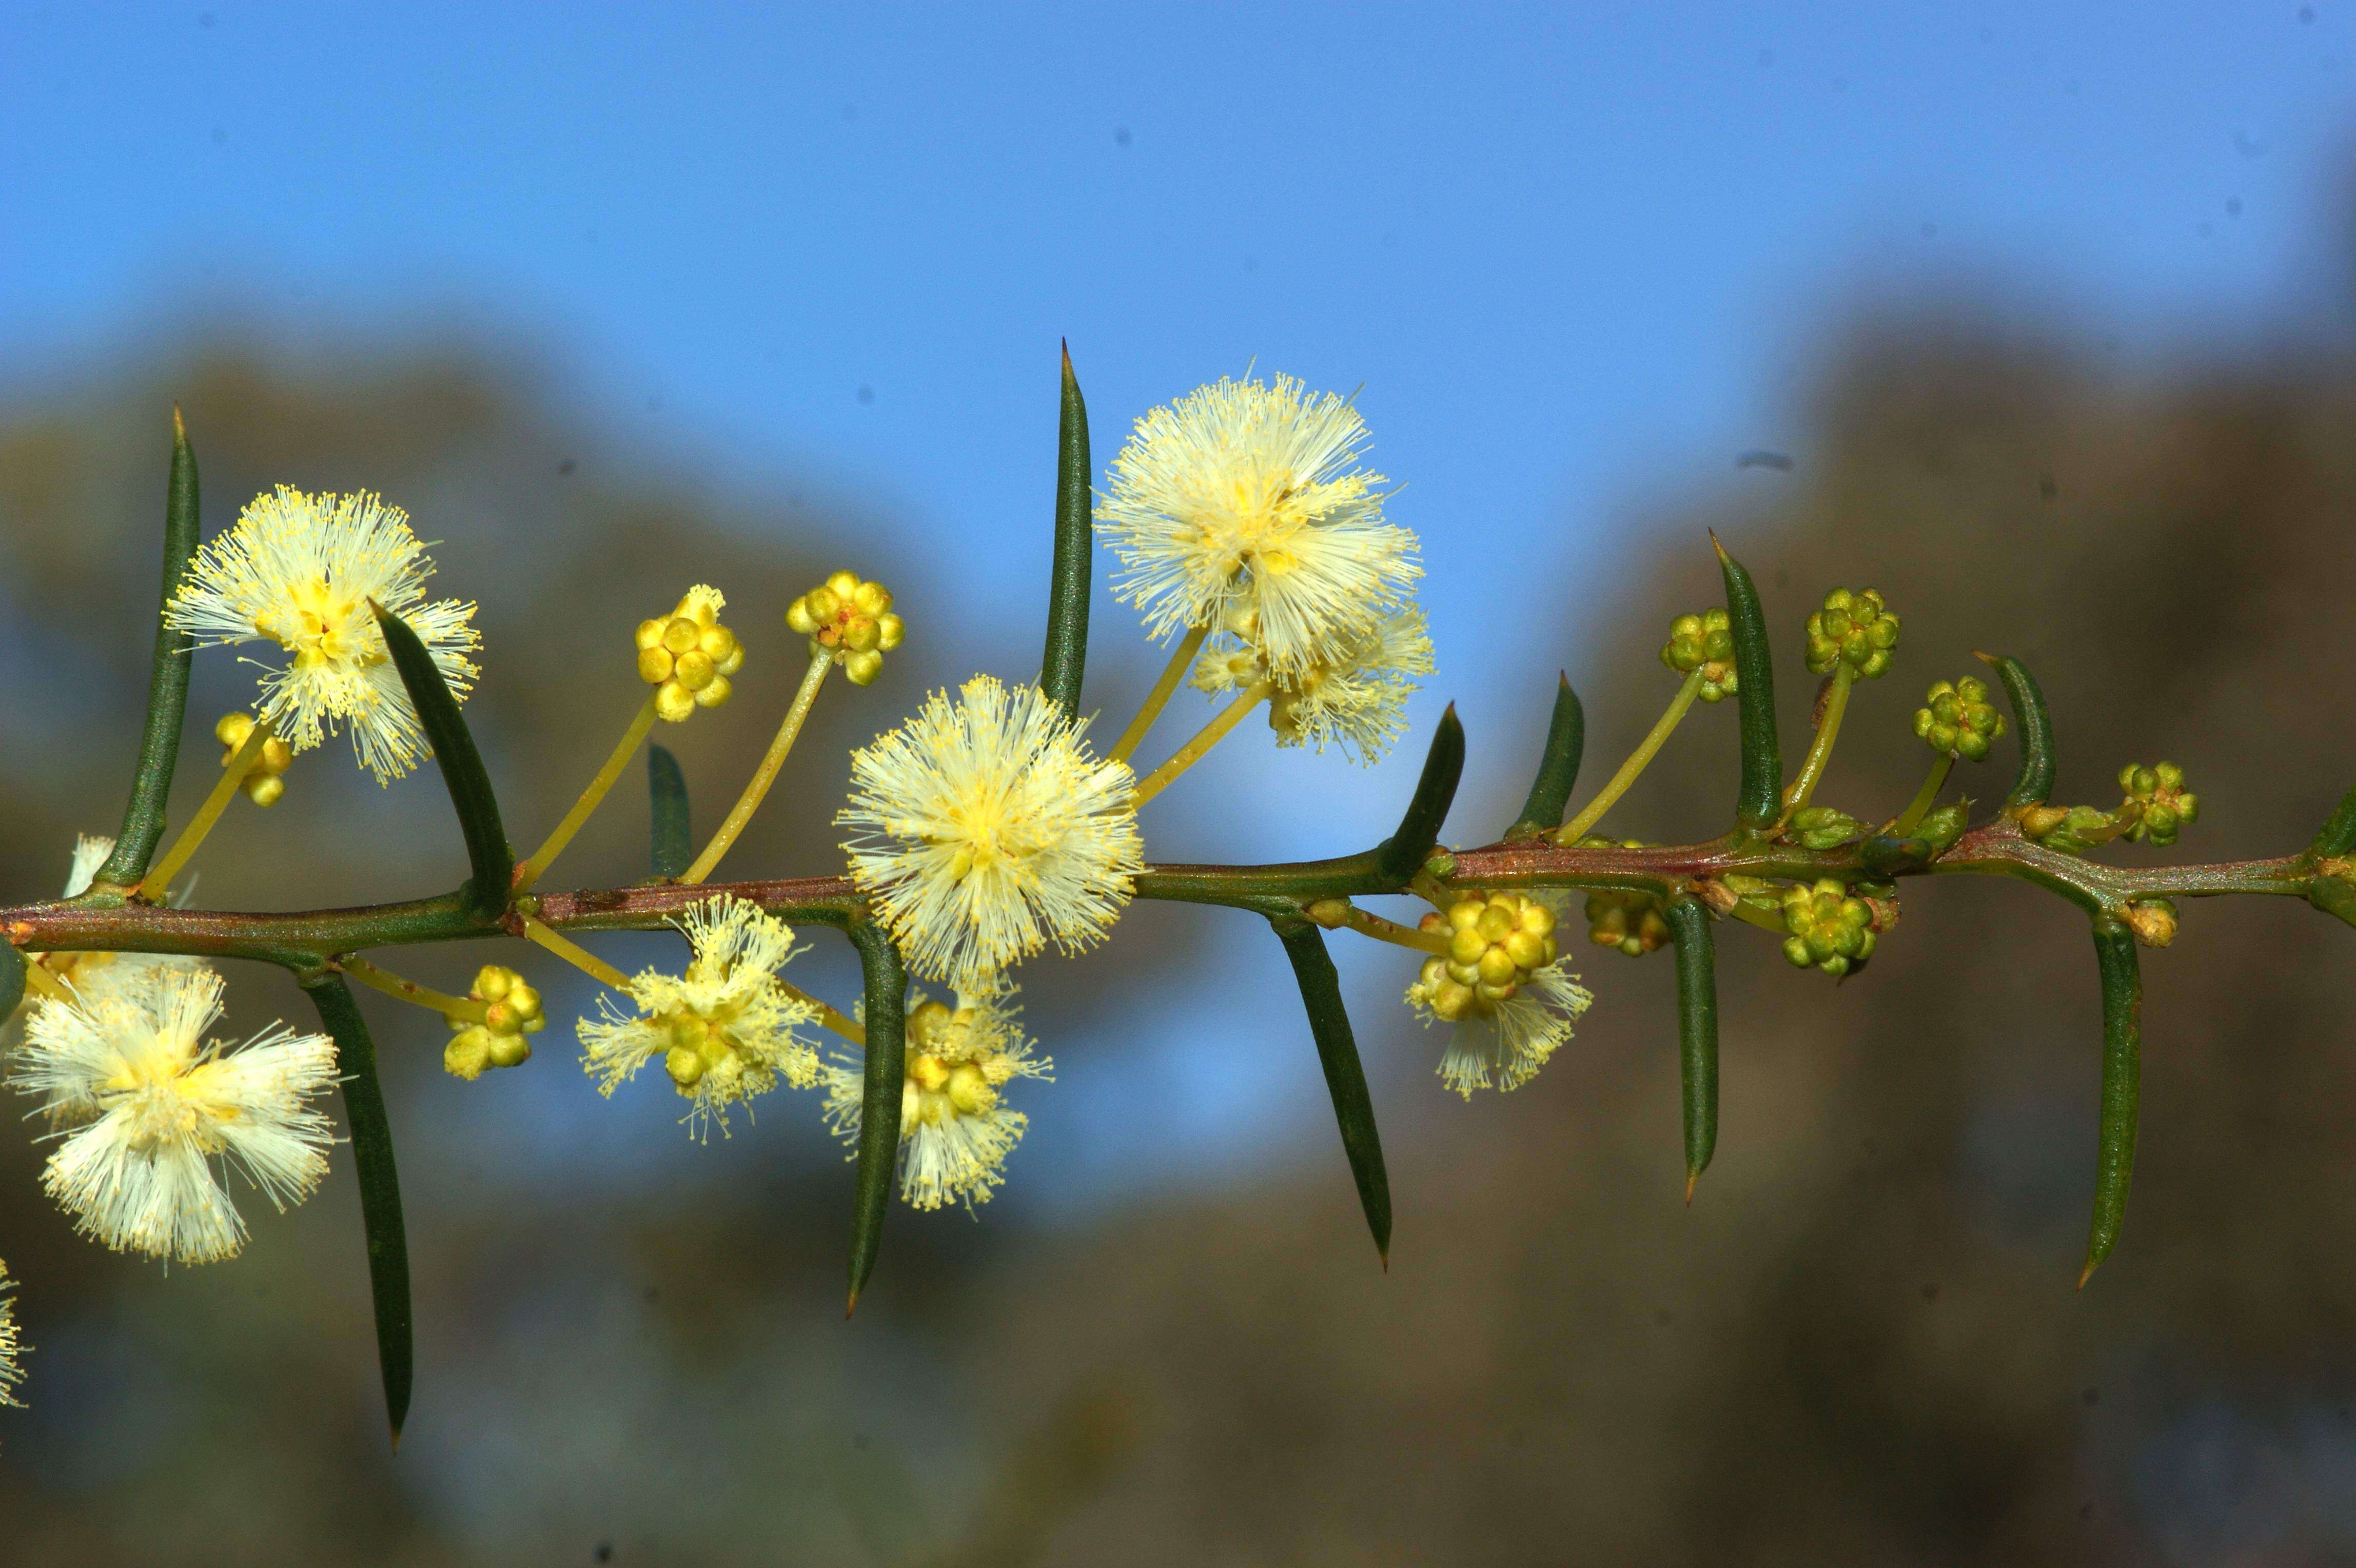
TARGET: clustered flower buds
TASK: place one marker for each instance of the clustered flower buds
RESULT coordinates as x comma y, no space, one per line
1494,944
1702,642
854,618
2165,803
2153,922
513,1012
1853,629
1958,720
1942,825
688,656
1822,827
262,784
1624,918
1830,929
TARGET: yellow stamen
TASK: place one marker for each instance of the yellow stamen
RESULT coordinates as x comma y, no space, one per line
766,774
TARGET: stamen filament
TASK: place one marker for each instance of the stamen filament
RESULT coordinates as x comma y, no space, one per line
1920,806
1638,760
579,957
553,846
409,990
233,773
766,774
1159,698
1820,751
1195,750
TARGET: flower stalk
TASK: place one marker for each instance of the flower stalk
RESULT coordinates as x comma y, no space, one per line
241,762
553,846
821,661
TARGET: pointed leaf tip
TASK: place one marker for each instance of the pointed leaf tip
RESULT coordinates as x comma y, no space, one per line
1692,1179
180,430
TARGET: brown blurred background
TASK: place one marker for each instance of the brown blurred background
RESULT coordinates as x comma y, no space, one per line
1860,1345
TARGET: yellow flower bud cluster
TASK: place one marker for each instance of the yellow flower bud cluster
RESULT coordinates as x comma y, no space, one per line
1856,630
687,656
512,1012
1702,642
2153,922
1830,929
262,784
945,1078
853,617
1494,944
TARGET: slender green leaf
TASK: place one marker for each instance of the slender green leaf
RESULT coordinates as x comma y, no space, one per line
674,849
1558,766
1758,800
879,1111
388,1240
1697,1030
2115,956
1346,1079
167,682
492,861
1068,588
2339,835
12,980
1402,854
2035,781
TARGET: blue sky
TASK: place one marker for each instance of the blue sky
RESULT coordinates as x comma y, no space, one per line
1577,256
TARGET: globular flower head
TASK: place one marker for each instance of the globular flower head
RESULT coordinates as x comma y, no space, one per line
1357,701
300,570
1704,643
853,619
688,655
955,1130
724,1031
2163,804
1830,929
1957,719
155,1109
264,783
1243,495
512,1009
1501,987
1853,629
12,1349
985,827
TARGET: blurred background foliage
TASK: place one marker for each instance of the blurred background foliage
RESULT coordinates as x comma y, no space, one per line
1858,1345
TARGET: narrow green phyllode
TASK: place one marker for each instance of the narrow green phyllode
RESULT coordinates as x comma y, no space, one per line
1402,854
1557,772
2115,957
673,845
1067,586
2034,782
1697,1030
1345,1078
12,980
2339,835
885,1050
469,783
168,681
388,1240
1759,798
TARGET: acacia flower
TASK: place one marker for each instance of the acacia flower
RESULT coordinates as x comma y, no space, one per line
299,569
1356,700
1242,495
12,1370
954,1129
725,1030
1502,987
158,1108
985,827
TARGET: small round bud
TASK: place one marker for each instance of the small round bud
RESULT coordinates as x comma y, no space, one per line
2153,922
861,633
799,617
655,665
685,1065
717,644
509,1050
861,669
673,703
869,599
842,584
682,634
718,692
492,983
233,729
694,670
650,632
1942,825
467,1054
890,629
264,789
823,604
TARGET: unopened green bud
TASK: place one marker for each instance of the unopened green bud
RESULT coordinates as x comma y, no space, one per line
1702,642
1958,720
1830,929
1853,629
2153,922
468,1053
2161,803
1942,825
1822,827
